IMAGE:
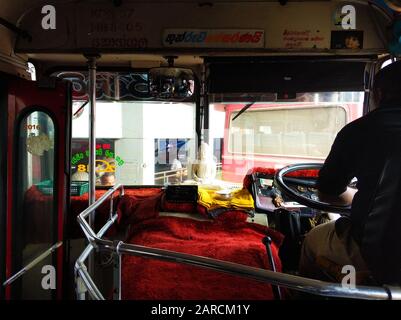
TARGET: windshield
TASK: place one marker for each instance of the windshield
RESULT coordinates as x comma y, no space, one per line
138,143
275,134
154,143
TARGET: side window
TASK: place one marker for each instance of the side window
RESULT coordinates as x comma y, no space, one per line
34,218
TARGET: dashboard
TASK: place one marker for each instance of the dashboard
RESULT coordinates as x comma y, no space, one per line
268,198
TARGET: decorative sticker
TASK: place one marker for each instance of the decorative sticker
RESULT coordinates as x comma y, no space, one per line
107,163
347,39
210,38
296,39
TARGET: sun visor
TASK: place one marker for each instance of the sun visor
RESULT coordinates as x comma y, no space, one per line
285,76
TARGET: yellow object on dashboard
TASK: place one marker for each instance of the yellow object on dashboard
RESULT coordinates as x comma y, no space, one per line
237,199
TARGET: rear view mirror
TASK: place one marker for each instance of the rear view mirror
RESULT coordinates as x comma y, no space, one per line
171,83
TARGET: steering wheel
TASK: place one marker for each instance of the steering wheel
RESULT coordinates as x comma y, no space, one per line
283,184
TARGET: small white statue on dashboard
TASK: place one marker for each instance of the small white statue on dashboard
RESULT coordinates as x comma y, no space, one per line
204,168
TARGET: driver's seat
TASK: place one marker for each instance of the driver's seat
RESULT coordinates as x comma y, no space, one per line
381,238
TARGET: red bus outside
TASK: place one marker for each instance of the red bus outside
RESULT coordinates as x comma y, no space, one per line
276,134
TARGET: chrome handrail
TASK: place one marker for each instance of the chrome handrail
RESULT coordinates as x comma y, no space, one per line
82,277
103,198
298,283
33,263
80,268
276,278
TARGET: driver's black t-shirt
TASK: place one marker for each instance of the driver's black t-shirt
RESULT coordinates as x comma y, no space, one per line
360,150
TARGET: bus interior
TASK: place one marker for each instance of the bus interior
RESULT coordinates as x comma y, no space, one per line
169,150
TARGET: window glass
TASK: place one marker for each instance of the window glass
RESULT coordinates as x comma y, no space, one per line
138,143
34,218
273,134
295,131
172,158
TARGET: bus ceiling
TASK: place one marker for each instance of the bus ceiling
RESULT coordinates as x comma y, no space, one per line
139,34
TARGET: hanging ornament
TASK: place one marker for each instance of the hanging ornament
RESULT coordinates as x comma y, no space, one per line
37,145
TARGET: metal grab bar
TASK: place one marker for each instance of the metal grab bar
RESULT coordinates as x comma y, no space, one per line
102,199
33,263
298,283
80,268
89,233
275,278
82,276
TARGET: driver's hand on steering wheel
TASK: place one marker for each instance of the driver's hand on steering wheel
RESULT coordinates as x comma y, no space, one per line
342,199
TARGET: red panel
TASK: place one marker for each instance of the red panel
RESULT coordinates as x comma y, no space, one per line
10,139
24,95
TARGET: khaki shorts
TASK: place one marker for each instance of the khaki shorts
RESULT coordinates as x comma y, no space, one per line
334,246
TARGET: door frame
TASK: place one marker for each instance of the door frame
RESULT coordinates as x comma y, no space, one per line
20,98
3,180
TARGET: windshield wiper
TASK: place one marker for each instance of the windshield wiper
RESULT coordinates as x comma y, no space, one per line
80,108
246,107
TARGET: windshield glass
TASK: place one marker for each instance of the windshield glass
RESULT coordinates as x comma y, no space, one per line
276,134
154,143
138,143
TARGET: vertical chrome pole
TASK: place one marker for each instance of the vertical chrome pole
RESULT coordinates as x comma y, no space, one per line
117,273
267,241
92,144
79,287
204,107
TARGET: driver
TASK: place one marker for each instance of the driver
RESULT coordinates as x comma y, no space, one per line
359,150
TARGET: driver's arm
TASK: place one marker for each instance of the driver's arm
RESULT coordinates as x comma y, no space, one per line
344,198
338,169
